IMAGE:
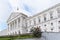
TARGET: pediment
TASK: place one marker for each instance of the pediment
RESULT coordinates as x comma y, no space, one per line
13,15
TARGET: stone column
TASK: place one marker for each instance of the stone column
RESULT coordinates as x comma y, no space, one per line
11,25
14,24
8,27
21,23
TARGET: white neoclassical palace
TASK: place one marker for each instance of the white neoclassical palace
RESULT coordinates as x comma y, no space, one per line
48,20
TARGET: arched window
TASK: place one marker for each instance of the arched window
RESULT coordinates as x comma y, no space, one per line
51,14
39,19
58,11
44,17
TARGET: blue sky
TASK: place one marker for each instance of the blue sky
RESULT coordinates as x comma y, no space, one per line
29,7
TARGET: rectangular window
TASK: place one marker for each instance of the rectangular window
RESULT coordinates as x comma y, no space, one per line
52,24
51,14
59,28
34,22
39,19
44,17
30,22
58,11
59,22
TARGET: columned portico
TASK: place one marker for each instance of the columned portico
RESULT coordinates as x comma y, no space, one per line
16,25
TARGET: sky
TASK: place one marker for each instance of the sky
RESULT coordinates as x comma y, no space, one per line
29,7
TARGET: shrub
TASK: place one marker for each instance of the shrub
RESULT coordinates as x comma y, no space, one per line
36,32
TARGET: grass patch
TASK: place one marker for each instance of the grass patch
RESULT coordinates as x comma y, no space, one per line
25,36
5,38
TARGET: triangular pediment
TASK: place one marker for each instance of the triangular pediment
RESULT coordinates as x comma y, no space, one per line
13,15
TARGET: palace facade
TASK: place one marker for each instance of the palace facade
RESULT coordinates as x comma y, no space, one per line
48,21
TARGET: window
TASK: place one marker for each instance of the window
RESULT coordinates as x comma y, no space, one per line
45,25
19,31
51,23
44,17
51,14
51,29
58,21
39,19
34,22
58,11
59,27
51,17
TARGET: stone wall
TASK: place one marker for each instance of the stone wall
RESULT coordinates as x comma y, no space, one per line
4,32
51,36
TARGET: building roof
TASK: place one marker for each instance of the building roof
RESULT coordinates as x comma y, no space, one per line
44,11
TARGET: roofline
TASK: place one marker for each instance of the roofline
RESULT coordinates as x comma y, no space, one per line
45,10
16,12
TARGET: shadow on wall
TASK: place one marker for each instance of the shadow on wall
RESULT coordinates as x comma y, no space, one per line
51,36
